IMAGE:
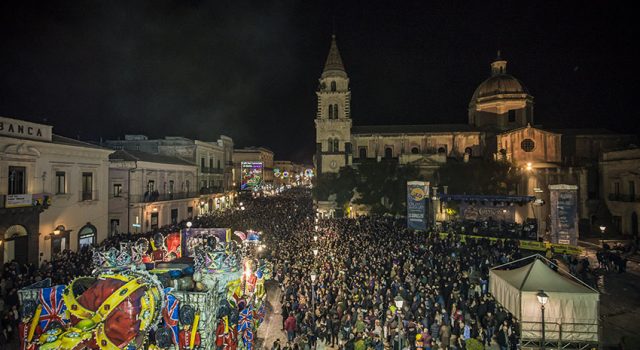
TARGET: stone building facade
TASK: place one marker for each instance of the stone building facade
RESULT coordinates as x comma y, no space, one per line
53,192
500,125
620,188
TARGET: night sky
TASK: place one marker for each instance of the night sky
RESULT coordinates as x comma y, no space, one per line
101,69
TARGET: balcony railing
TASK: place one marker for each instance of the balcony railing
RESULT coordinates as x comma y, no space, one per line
85,196
206,170
160,197
211,190
619,197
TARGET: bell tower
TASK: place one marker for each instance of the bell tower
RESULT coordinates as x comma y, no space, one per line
333,116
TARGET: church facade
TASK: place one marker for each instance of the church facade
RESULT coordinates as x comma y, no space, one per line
500,125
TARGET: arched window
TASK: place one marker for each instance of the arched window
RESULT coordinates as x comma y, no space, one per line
336,145
87,235
335,111
333,86
388,152
415,150
468,151
442,150
330,147
330,112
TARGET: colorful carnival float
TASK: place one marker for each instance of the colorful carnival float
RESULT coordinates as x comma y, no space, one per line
194,289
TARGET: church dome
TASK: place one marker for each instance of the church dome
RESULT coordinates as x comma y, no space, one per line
499,83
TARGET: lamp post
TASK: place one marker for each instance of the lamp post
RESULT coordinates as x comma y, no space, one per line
399,302
315,252
313,297
602,229
315,238
543,298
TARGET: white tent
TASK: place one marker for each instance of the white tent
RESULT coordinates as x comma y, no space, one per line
571,314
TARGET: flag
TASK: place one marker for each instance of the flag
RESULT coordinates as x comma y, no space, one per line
247,338
260,314
240,234
171,315
246,318
53,307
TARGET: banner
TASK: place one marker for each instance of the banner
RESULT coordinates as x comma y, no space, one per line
417,193
479,212
252,176
527,245
564,214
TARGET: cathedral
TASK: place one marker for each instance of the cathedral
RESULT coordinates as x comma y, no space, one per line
500,125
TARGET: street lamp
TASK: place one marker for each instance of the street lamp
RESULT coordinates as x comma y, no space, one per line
543,298
399,302
189,224
315,252
602,229
313,297
315,238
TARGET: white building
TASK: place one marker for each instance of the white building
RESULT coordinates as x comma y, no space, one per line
53,192
149,191
253,155
213,159
620,171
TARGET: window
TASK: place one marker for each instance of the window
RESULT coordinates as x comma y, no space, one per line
61,184
388,152
527,145
336,145
174,216
362,152
218,163
616,189
171,186
512,116
17,180
115,225
330,112
330,145
151,186
87,186
202,163
415,150
87,235
442,150
117,190
632,190
210,163
335,111
187,185
154,220
333,86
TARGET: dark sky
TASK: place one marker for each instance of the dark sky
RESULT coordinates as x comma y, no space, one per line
203,68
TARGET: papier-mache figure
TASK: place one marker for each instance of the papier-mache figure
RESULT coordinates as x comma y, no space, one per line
189,337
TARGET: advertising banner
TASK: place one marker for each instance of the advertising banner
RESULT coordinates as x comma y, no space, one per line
478,212
417,193
564,214
251,173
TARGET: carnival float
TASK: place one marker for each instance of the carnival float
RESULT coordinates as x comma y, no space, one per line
194,289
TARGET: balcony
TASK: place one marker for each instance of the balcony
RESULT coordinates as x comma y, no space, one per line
618,197
206,170
161,197
211,190
86,196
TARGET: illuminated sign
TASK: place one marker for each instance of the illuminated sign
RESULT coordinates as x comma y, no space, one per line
251,173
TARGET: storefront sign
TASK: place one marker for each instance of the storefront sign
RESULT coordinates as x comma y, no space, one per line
417,193
26,130
18,200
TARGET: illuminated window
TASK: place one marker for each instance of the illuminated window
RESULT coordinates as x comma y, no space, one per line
527,145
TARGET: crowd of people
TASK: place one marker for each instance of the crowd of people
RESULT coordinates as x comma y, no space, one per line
493,228
362,268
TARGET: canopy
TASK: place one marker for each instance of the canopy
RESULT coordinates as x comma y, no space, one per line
571,313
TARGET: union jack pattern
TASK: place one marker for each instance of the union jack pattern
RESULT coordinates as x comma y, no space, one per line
245,319
53,307
171,315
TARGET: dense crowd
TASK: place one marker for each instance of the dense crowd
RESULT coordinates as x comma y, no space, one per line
493,228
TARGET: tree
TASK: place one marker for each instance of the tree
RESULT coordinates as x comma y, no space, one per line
478,177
